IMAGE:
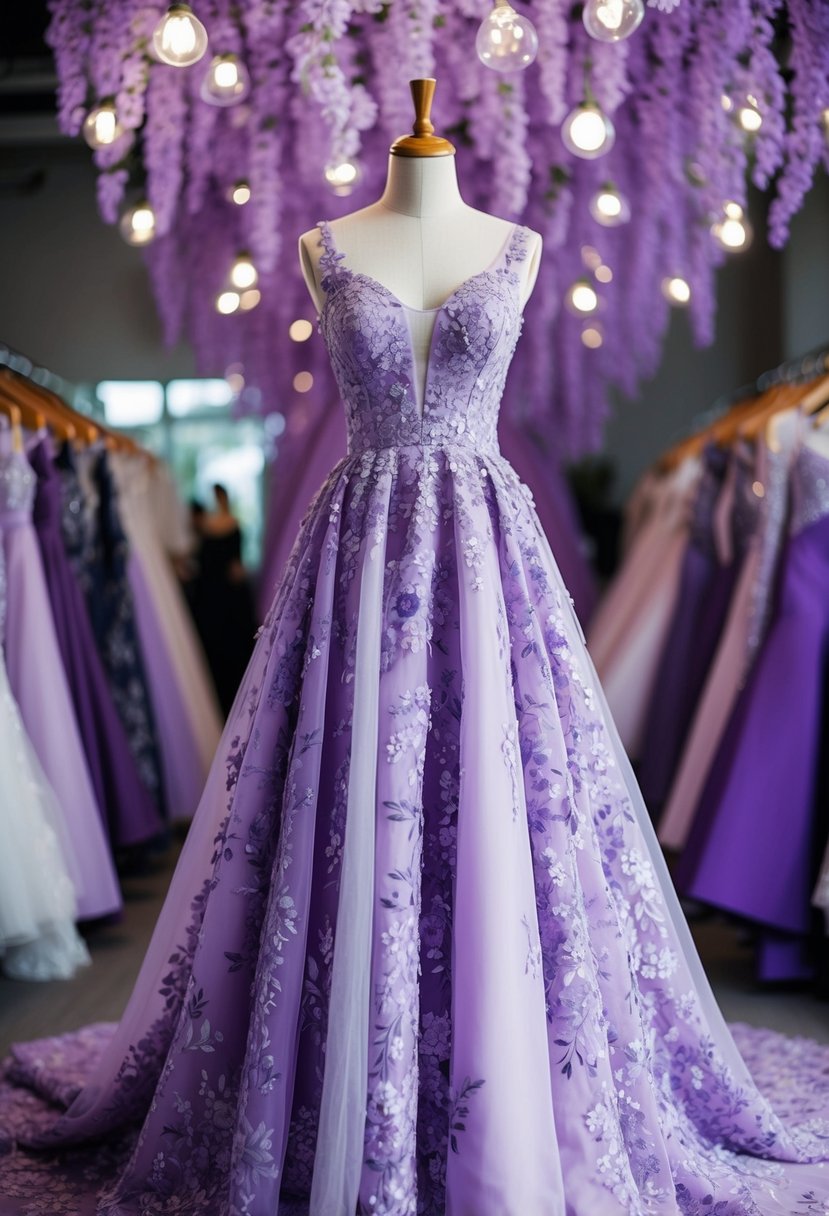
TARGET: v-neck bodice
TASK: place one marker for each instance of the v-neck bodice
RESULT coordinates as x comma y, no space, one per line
367,331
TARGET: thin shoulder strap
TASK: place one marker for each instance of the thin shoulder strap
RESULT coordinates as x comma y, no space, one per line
331,257
516,250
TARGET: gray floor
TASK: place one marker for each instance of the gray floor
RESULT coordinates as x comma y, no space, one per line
99,992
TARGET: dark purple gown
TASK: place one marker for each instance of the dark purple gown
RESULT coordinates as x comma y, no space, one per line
129,811
755,845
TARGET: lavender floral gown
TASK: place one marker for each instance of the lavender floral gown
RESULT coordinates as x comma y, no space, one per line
421,954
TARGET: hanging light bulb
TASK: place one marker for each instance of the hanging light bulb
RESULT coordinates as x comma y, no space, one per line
676,290
581,298
179,38
726,103
137,224
227,81
603,274
303,382
609,207
733,232
300,330
243,273
749,116
612,20
506,41
249,299
101,126
587,132
592,336
824,118
342,176
239,194
228,302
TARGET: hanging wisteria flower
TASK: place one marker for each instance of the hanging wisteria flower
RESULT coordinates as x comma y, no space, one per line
69,37
329,84
804,144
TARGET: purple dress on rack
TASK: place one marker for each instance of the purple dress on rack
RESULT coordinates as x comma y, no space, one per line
131,815
725,516
98,553
38,681
754,848
682,667
421,954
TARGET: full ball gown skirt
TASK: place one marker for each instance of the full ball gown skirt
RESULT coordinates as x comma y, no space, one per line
421,953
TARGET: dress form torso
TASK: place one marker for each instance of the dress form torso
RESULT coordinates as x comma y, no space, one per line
421,241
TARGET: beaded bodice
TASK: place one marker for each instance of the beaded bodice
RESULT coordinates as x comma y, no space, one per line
366,330
17,484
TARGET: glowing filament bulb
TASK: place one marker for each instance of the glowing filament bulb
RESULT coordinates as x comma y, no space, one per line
733,232
749,116
179,38
582,299
676,290
506,41
300,330
228,302
227,81
587,132
609,207
243,273
612,20
101,126
239,194
342,176
137,224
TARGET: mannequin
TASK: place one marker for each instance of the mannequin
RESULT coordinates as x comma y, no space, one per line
420,240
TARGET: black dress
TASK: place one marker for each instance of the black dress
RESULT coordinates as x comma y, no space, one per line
223,608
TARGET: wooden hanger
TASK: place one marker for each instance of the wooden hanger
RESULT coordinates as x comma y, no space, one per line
26,395
778,399
12,412
87,430
26,413
721,431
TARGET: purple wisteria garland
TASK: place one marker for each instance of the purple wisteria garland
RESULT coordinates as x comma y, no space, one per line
329,83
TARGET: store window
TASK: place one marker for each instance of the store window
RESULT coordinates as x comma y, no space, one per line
190,424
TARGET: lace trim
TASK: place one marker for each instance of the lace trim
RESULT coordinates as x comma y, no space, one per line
331,257
516,250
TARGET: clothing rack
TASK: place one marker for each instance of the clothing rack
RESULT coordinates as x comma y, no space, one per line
803,368
791,371
21,363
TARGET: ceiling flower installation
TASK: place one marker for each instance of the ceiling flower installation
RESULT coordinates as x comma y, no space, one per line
625,134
